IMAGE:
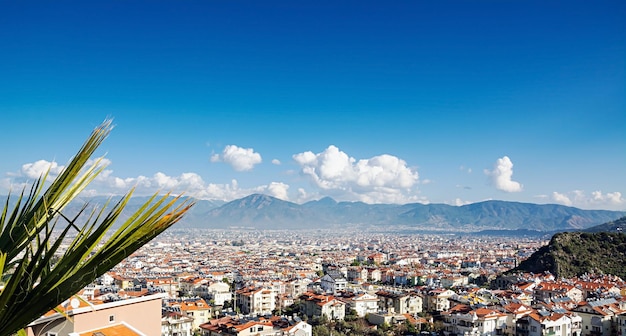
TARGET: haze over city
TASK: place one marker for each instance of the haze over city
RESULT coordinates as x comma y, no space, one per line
435,102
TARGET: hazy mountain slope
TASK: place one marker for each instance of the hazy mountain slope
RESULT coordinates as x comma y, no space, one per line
262,211
266,212
618,225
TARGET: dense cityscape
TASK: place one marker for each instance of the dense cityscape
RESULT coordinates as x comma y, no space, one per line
340,282
322,168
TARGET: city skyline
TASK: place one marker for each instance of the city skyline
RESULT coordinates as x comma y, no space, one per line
449,102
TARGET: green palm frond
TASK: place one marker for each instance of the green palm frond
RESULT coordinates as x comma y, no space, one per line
32,232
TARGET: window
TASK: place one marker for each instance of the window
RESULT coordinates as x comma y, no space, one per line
111,318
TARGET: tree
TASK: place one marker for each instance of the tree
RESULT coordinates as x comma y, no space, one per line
31,232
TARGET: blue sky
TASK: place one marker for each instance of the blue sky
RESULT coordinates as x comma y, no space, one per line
412,101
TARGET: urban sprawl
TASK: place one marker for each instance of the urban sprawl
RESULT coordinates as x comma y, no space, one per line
249,282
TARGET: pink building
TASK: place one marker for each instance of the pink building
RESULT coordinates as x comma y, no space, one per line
136,316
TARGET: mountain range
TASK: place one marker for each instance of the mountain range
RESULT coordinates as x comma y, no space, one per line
258,211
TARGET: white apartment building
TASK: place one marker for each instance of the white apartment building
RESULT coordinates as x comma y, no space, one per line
549,323
333,282
256,301
362,303
462,320
219,292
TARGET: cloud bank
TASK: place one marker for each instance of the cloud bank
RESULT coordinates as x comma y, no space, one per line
596,200
380,179
37,169
332,172
501,176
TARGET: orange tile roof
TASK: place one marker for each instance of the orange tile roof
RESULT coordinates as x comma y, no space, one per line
115,330
487,313
253,323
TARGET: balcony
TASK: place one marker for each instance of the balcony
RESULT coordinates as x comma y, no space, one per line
467,330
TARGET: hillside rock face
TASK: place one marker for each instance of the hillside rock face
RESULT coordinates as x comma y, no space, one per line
575,253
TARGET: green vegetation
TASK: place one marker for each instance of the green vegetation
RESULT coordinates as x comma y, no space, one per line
618,225
358,326
343,328
572,254
34,280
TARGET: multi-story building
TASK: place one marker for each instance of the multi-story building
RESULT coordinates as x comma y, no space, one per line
219,292
399,302
546,291
375,275
361,303
621,325
514,311
318,305
297,287
176,324
141,316
463,320
437,300
549,323
274,326
454,281
256,301
357,274
333,281
197,309
600,317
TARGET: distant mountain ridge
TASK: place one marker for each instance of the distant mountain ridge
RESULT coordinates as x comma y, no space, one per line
618,225
258,211
265,212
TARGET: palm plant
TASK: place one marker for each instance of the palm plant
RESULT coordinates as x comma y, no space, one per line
37,275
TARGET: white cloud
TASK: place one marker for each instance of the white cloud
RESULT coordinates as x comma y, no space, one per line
108,184
303,196
37,169
597,199
465,169
10,185
561,198
189,184
241,159
276,162
380,179
614,198
501,175
460,202
278,190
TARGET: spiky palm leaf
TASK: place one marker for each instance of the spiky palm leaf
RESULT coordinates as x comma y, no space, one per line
33,282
